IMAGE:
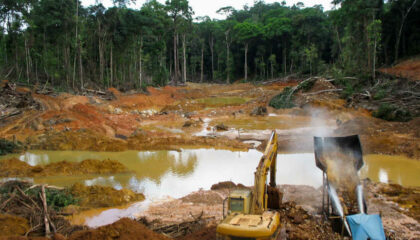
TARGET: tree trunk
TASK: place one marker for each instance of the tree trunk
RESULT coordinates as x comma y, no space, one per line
17,60
284,57
27,60
202,64
211,43
246,62
403,18
272,70
185,59
175,61
111,68
81,67
368,45
374,61
101,54
227,64
338,40
227,57
75,52
140,64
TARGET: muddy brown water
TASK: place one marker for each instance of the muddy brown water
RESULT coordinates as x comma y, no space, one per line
171,174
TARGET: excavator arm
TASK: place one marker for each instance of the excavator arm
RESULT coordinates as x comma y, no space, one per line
267,163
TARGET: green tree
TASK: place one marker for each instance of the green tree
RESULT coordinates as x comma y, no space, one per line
279,28
311,54
374,33
177,10
246,32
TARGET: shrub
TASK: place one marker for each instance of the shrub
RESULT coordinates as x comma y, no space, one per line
56,198
380,94
7,146
392,113
306,86
283,100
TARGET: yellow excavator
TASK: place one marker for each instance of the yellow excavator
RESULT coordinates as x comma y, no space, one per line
251,214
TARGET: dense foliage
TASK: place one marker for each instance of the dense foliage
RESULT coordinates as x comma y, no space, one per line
283,100
65,45
392,113
7,146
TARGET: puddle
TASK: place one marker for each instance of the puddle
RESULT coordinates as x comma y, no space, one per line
171,174
103,216
273,121
395,169
221,101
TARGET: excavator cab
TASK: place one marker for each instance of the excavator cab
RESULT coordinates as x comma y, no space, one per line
251,214
239,201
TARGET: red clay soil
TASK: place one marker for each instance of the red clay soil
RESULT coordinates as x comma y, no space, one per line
208,233
409,69
124,229
155,98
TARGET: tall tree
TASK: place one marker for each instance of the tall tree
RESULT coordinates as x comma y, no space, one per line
246,32
279,27
177,9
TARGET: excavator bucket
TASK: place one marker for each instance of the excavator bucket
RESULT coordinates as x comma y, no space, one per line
349,145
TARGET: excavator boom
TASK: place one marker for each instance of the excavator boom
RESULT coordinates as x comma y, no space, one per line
267,162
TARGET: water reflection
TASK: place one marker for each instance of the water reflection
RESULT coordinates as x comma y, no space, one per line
396,169
158,174
162,174
383,176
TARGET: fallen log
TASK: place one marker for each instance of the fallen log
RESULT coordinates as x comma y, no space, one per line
44,202
95,91
324,91
10,114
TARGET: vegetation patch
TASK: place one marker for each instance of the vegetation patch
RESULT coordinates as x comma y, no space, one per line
7,146
392,113
283,100
56,198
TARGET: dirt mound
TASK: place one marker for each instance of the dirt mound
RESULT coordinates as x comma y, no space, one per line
409,69
13,225
320,85
15,168
204,197
408,198
12,97
226,185
83,140
156,98
100,196
69,101
207,233
123,229
300,225
13,101
379,136
115,92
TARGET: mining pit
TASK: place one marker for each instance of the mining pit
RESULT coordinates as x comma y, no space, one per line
146,166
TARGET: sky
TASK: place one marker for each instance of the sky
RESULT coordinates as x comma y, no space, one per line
209,7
